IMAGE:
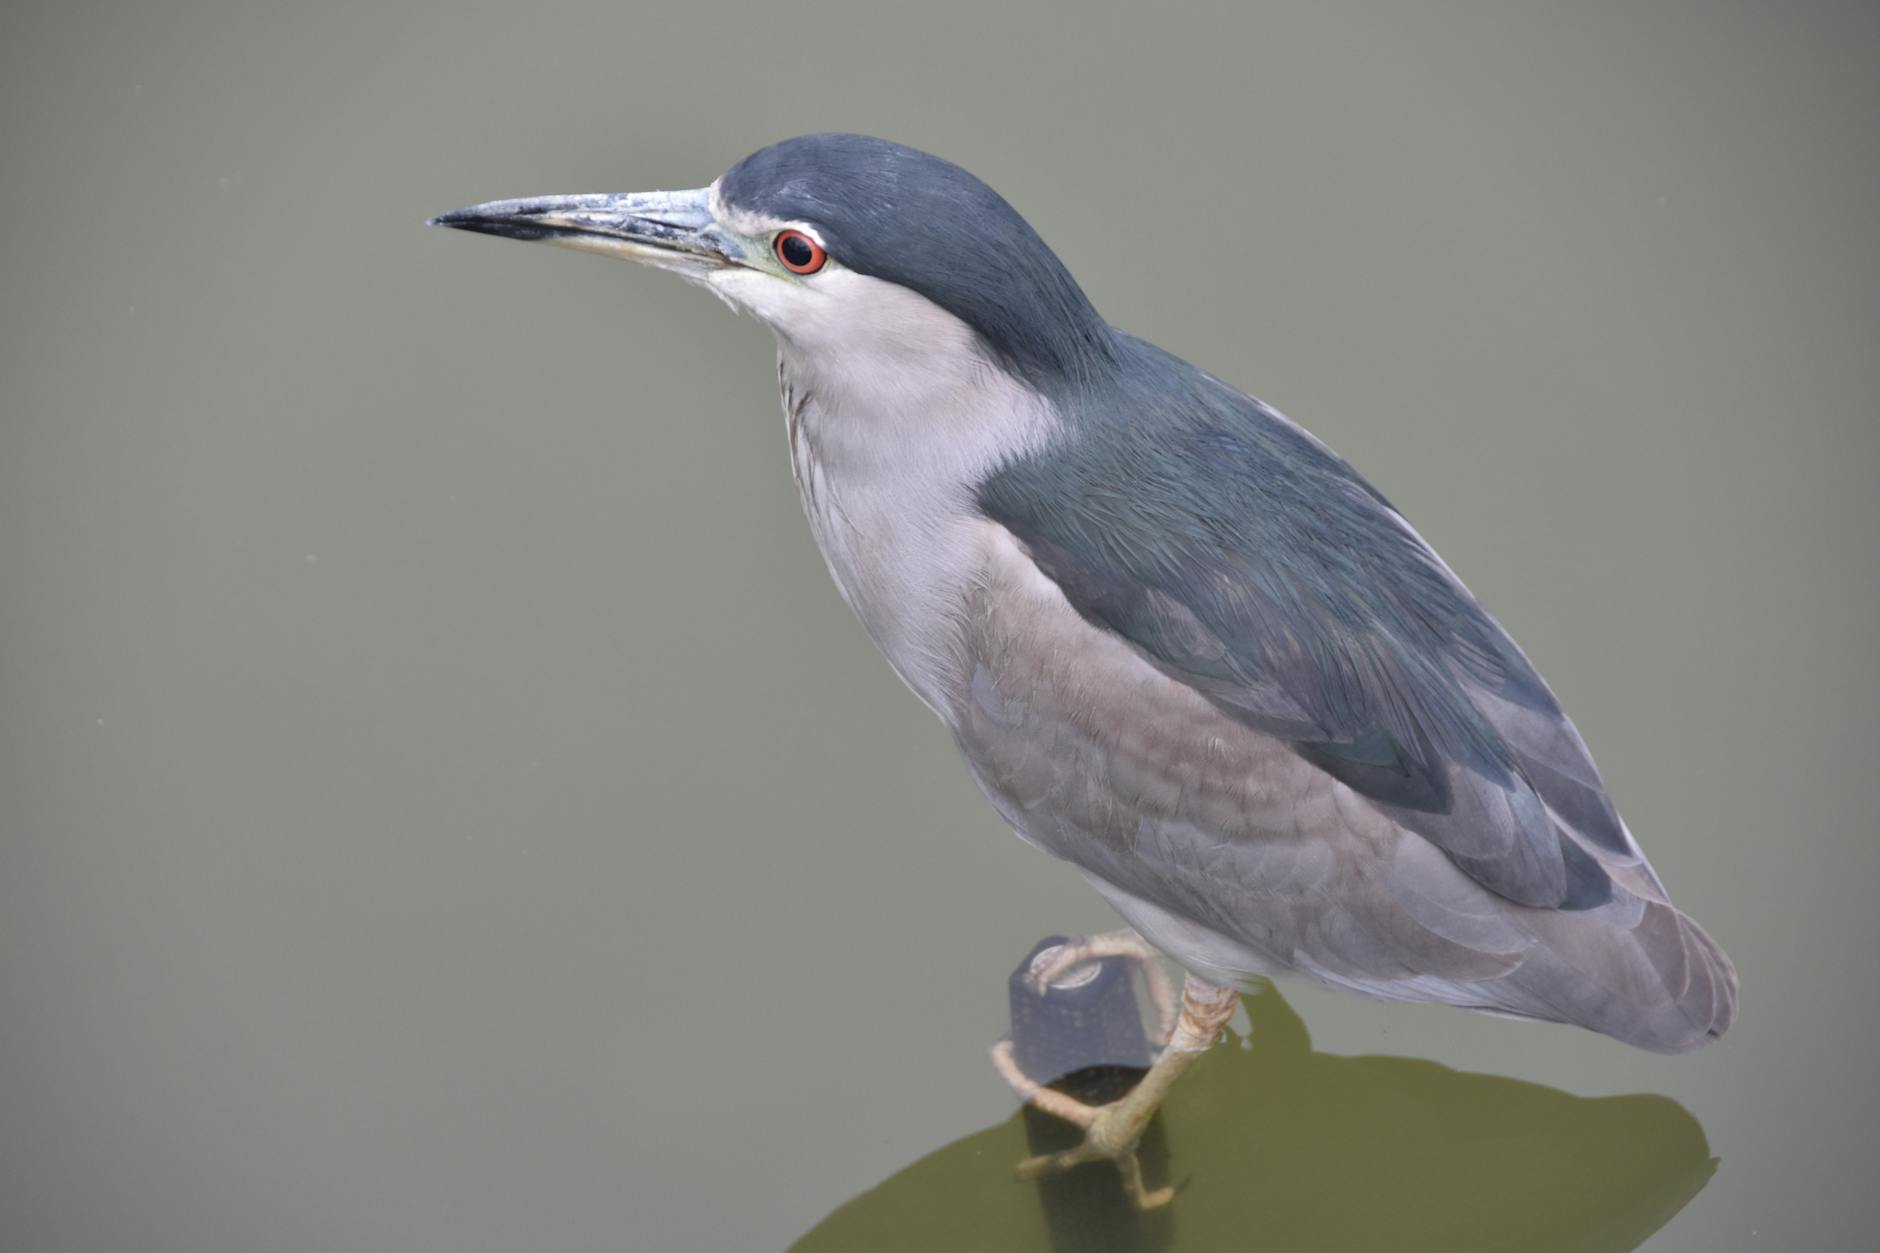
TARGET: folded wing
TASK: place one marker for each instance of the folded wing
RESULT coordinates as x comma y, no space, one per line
1244,559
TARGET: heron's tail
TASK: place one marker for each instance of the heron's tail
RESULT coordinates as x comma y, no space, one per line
1697,975
1662,984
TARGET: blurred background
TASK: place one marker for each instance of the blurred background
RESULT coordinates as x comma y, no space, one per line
443,801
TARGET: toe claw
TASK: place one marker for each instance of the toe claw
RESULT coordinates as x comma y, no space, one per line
1053,1163
1154,1200
1035,1167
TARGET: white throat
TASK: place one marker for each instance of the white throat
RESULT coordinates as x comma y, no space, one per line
894,417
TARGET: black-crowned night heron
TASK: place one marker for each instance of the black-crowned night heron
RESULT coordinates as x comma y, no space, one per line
1180,643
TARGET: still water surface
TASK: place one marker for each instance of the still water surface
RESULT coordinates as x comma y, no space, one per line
1275,1145
443,803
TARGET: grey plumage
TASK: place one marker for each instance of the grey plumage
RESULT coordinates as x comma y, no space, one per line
1247,563
1179,642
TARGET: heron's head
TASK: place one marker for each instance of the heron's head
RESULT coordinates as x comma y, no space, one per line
844,243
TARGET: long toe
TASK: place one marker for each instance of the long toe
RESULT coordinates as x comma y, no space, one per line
1124,1158
1113,1137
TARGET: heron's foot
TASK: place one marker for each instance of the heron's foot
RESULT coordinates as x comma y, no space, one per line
1112,1132
1112,1135
1052,965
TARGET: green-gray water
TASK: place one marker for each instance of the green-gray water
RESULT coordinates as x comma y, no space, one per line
1349,1153
444,804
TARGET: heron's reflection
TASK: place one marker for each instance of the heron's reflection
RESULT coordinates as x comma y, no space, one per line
1280,1147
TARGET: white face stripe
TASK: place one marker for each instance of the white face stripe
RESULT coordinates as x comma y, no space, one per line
757,227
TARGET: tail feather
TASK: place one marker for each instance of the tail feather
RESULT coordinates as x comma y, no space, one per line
1698,978
1662,984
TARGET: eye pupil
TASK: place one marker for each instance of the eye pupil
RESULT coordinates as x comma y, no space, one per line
799,252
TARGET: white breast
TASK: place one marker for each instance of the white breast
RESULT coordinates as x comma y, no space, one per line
889,436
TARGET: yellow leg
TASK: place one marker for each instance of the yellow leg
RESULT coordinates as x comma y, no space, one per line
1112,1131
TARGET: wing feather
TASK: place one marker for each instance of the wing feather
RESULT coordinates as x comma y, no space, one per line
1242,558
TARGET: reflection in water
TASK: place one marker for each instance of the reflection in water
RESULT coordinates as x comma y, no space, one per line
1275,1146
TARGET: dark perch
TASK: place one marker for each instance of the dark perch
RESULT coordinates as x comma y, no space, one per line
1086,1041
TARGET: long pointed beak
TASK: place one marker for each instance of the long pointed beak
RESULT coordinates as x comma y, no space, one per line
673,230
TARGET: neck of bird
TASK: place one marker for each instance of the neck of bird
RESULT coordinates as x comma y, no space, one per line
889,449
925,419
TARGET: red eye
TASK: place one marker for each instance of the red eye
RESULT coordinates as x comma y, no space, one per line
799,253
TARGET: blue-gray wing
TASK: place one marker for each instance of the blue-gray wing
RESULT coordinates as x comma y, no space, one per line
1241,557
